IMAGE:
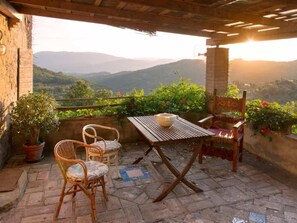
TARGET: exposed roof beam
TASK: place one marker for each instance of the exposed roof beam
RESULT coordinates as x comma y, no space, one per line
214,12
180,22
245,38
97,2
10,12
146,27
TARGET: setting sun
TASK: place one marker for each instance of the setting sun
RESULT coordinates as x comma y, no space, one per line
277,50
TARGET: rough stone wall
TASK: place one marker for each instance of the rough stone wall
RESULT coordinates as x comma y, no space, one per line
16,73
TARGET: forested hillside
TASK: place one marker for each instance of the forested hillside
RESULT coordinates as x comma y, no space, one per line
151,78
51,82
280,91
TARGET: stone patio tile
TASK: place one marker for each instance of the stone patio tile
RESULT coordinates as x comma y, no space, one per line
226,195
232,194
215,198
42,175
113,203
39,210
268,204
112,216
230,182
84,219
200,205
290,216
274,219
35,198
38,218
154,212
133,214
32,177
207,184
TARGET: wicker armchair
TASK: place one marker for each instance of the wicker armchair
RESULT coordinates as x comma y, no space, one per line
111,146
83,176
227,123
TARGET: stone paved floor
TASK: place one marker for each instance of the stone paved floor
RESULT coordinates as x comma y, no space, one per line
258,192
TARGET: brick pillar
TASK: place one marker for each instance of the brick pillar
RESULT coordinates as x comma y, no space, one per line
217,68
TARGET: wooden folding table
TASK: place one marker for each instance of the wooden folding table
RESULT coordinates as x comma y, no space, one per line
180,131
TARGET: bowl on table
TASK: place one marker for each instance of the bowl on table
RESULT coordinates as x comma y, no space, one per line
165,119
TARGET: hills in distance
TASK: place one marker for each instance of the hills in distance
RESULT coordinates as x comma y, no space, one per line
252,72
88,62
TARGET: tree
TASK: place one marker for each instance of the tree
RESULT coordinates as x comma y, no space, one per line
103,93
81,89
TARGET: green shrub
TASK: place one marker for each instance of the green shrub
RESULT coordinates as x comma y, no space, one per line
182,96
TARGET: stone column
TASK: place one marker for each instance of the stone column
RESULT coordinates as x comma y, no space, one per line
217,69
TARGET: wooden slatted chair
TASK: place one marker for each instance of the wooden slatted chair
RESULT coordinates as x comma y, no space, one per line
227,123
111,146
82,175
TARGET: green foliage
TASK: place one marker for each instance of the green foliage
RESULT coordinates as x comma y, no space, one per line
176,98
81,89
232,91
265,116
103,93
33,114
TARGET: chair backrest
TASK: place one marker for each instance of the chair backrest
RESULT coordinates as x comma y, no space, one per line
92,131
223,106
65,150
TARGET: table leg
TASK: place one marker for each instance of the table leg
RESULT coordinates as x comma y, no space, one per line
145,154
179,175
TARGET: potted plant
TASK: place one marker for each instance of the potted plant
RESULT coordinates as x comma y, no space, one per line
33,116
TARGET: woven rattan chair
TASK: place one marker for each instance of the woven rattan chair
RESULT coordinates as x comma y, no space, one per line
227,123
111,146
83,176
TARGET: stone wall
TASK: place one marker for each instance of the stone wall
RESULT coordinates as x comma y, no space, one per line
280,150
16,73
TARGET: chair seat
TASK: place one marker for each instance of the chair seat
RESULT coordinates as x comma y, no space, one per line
95,170
224,135
111,146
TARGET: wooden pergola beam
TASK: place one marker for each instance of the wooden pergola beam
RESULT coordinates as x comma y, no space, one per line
146,17
145,27
191,7
245,38
13,16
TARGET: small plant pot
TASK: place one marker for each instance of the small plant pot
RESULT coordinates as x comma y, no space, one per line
33,152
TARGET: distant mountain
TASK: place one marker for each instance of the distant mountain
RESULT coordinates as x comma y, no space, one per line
87,62
151,78
240,72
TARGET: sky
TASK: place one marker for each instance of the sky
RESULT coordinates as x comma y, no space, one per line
65,35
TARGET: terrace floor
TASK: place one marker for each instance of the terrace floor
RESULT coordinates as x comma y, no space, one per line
258,192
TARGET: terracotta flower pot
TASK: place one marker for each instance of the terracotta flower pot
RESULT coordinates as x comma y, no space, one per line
33,152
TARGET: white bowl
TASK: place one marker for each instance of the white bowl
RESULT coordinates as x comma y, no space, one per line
165,119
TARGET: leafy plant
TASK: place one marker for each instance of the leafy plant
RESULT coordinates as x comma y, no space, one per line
179,97
266,116
34,114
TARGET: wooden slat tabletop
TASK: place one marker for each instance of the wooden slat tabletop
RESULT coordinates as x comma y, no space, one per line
179,131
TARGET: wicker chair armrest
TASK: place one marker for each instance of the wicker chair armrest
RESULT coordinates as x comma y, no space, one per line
99,149
93,126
